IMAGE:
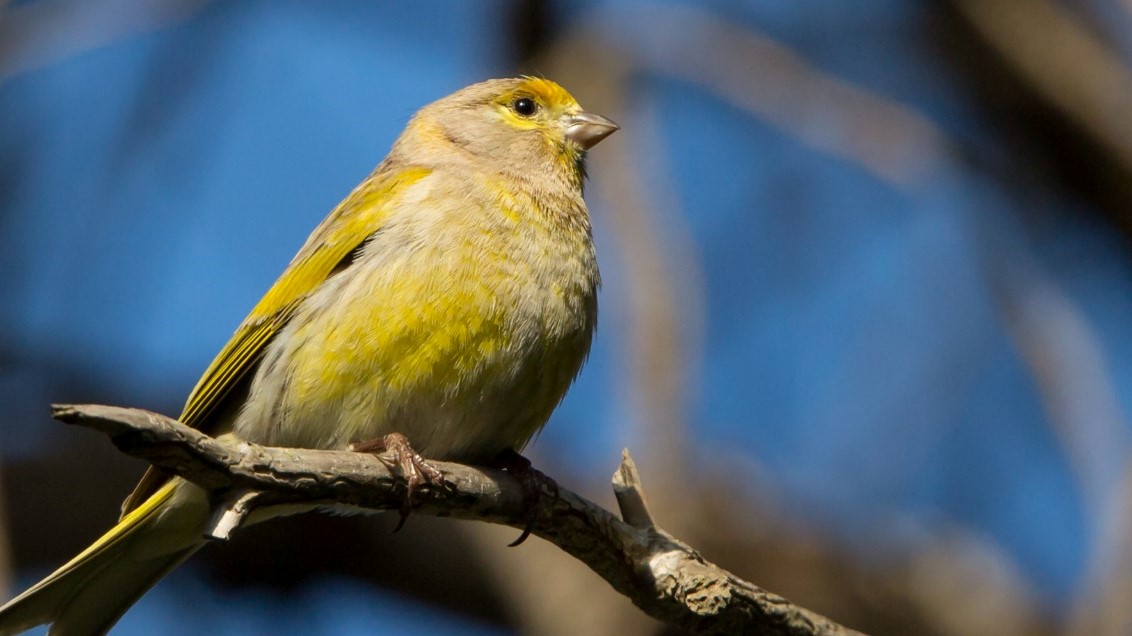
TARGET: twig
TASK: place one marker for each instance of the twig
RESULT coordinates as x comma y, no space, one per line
630,493
231,514
664,577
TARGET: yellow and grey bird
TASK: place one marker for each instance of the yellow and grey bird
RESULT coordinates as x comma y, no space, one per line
451,297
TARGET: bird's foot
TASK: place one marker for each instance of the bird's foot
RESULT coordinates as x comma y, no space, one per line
396,453
532,482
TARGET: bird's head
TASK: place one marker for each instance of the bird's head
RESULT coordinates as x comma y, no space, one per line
525,126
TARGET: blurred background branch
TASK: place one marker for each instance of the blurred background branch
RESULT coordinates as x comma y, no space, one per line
37,34
872,259
1068,69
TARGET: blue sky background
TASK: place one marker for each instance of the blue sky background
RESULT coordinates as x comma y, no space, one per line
868,343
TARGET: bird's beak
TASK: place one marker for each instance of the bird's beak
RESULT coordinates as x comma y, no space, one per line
586,129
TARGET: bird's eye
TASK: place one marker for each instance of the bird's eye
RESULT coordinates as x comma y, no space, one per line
524,106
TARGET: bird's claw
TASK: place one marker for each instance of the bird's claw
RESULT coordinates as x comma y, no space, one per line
397,454
532,482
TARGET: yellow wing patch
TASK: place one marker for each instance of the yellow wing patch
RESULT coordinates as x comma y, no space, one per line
352,222
361,214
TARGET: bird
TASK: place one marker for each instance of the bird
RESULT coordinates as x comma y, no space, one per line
450,298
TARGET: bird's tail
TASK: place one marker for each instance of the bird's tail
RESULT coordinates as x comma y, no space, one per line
90,593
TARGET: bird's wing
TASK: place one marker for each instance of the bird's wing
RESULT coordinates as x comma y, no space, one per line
330,248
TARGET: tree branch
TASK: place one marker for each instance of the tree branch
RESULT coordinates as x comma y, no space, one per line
661,575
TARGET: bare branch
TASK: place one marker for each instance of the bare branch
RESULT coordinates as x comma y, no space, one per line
630,493
661,575
231,514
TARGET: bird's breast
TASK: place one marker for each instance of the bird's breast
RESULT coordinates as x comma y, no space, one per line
461,328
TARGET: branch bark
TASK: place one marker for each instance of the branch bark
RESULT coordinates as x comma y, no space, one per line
663,576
